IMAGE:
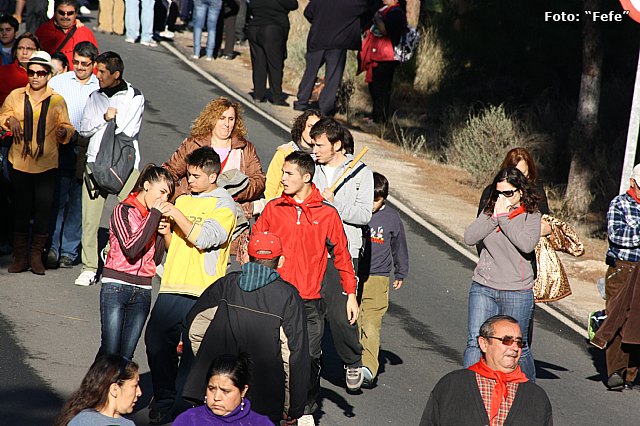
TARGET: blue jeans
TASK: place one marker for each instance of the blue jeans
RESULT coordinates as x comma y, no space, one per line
123,312
209,10
132,19
167,324
485,302
69,213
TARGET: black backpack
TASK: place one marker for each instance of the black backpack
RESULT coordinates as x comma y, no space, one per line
114,163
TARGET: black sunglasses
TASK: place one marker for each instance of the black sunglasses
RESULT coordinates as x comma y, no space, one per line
508,193
507,340
69,13
40,74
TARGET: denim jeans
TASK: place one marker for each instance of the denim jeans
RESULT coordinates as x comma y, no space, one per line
68,223
123,312
132,19
208,10
485,302
167,324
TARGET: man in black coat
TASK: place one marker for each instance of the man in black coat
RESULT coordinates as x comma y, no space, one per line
256,312
335,28
492,391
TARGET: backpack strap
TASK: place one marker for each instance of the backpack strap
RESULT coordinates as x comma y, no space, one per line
66,39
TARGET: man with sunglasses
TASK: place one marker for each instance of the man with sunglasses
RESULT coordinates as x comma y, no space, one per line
61,34
75,87
493,391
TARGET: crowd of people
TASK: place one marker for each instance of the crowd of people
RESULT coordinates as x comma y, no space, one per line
254,265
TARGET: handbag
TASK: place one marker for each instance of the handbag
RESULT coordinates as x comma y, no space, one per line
552,283
380,48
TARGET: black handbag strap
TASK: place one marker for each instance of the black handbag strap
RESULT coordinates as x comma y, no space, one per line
66,39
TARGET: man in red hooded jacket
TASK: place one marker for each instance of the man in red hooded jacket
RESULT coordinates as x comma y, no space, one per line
310,228
61,34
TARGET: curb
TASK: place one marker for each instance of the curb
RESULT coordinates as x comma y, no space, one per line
463,250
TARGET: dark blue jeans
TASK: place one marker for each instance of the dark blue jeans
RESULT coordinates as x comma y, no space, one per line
485,302
123,312
67,233
166,326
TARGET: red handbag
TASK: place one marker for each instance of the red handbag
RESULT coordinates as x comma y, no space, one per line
380,48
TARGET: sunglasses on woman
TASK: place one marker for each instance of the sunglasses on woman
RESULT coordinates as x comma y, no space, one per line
508,340
508,193
41,74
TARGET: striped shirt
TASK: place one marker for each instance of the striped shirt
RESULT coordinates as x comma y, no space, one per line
486,385
74,93
623,228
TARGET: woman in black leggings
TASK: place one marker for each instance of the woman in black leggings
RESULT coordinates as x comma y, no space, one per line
38,119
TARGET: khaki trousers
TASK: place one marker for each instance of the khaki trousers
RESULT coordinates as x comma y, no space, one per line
620,357
91,215
373,306
111,16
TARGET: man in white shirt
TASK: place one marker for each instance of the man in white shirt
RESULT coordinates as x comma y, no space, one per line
75,87
116,100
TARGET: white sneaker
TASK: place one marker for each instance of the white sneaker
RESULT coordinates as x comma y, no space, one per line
195,57
306,420
84,10
150,43
86,278
167,34
129,40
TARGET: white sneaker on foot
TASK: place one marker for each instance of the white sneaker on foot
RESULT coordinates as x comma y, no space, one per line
167,34
306,420
129,40
84,10
354,378
86,278
150,43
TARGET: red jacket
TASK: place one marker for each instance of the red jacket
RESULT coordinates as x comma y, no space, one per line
136,247
309,231
50,36
12,76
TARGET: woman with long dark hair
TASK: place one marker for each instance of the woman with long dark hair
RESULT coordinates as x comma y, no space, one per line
509,229
108,391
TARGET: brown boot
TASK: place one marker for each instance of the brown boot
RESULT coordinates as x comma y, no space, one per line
20,244
38,243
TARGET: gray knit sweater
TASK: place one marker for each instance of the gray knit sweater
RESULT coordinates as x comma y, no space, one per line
501,265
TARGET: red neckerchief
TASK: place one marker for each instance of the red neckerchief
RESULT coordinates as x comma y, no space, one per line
632,194
515,212
516,376
132,200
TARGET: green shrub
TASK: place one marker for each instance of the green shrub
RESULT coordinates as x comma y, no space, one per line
480,143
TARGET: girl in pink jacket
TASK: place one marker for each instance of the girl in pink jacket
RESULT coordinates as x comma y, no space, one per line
136,247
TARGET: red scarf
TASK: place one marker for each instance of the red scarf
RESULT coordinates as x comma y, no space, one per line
516,376
515,212
632,194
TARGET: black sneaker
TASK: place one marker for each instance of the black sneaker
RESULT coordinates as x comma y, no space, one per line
615,381
52,260
66,262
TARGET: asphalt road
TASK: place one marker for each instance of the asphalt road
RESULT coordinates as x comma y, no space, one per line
50,329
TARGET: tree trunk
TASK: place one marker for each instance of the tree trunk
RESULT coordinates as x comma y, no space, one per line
413,13
584,132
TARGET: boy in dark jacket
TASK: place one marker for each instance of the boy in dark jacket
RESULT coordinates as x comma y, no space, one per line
257,312
386,247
